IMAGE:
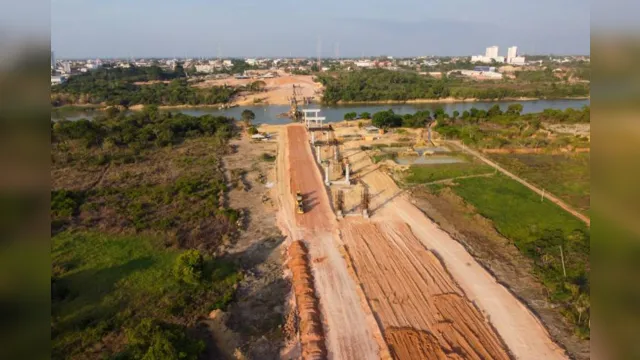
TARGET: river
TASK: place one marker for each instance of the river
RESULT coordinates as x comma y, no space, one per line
268,114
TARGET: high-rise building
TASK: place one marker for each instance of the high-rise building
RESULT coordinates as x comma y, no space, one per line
53,60
512,52
492,52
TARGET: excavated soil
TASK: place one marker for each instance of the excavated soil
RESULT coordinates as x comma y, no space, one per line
311,333
410,289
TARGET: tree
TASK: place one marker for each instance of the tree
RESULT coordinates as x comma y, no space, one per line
465,114
350,116
252,130
386,119
514,109
456,113
248,116
189,266
365,115
494,111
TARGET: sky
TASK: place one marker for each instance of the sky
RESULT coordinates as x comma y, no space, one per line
348,28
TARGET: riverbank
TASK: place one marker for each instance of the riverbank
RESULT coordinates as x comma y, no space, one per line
452,100
448,100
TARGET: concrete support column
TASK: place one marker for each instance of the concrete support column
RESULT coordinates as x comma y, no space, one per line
347,174
318,155
326,175
313,138
335,152
326,137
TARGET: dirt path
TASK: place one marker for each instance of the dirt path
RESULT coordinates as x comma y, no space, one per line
349,332
547,195
521,331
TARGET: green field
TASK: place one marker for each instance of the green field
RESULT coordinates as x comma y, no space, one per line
564,175
419,174
539,230
103,285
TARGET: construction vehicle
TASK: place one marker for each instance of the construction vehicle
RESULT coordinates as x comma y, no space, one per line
299,207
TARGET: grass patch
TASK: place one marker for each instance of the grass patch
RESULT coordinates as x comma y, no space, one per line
564,175
102,284
419,174
539,230
384,156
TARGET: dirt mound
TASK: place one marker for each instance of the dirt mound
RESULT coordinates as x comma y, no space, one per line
311,334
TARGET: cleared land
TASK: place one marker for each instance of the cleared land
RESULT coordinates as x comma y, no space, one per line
276,92
520,330
564,175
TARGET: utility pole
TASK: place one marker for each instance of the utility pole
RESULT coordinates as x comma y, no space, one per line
564,271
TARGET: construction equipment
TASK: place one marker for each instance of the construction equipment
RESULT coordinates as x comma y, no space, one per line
294,113
299,206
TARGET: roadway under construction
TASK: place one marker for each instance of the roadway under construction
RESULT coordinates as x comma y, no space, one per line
392,285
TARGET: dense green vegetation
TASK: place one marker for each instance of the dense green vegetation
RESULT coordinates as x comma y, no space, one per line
115,86
420,174
381,85
539,230
564,175
137,216
106,286
497,129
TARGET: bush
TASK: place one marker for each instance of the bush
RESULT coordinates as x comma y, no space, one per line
350,116
267,157
365,115
189,266
151,340
252,130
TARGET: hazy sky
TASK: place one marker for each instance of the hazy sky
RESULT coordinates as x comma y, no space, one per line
138,28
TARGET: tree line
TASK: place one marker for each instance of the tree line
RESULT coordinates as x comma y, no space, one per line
140,130
115,86
383,85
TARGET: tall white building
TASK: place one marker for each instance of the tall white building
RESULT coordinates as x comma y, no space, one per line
512,52
492,52
53,60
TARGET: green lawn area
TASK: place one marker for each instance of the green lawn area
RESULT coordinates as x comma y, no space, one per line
538,229
564,175
419,174
103,284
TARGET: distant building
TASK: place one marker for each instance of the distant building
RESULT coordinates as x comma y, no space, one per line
251,62
485,68
479,74
53,60
364,63
55,80
491,52
513,58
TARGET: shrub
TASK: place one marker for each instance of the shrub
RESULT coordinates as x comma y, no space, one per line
188,267
252,130
267,157
151,340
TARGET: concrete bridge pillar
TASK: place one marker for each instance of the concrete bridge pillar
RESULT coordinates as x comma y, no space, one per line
326,175
318,155
347,175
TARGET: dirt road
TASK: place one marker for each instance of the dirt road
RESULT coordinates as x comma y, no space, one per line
520,330
515,177
350,333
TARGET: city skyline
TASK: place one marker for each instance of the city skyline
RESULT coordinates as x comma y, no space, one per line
282,28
